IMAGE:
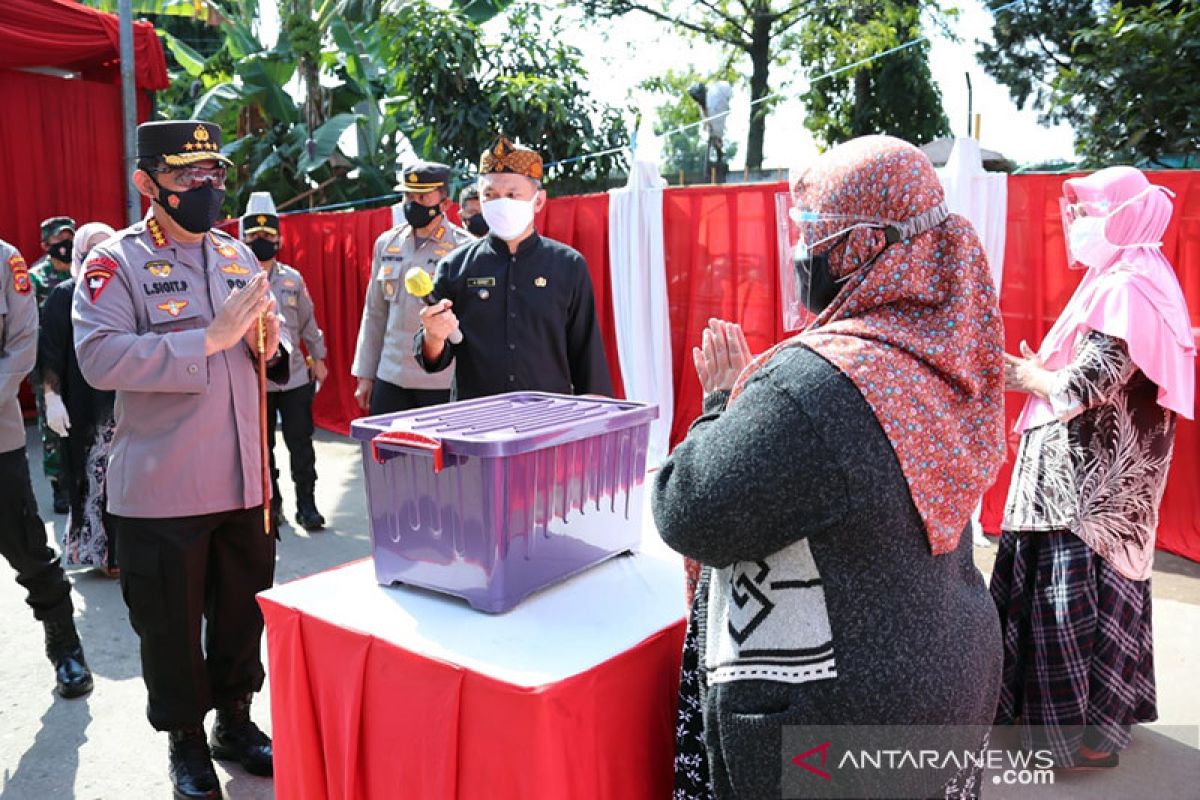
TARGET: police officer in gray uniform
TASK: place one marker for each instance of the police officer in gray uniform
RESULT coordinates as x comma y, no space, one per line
389,378
292,400
22,533
166,315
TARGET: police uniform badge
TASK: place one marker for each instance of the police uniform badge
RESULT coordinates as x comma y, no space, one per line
20,274
539,282
235,269
173,307
389,289
159,269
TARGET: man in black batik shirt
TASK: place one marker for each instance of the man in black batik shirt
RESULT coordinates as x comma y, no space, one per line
523,303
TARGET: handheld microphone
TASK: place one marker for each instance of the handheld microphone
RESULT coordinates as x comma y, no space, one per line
418,283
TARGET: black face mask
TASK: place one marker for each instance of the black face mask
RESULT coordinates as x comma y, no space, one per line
815,282
264,249
818,288
61,251
477,225
418,215
197,209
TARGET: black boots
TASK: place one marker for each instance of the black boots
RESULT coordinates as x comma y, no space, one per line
71,672
306,510
62,502
236,738
192,773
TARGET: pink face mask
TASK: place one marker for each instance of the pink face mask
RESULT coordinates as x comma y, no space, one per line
1087,243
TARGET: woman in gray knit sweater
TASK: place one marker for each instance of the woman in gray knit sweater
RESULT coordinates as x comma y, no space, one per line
825,491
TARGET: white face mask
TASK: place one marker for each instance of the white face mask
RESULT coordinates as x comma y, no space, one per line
1087,242
508,218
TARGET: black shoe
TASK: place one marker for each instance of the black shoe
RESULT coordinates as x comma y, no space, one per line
71,673
309,518
191,767
62,503
235,737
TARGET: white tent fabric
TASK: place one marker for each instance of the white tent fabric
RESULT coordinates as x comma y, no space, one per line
981,197
639,290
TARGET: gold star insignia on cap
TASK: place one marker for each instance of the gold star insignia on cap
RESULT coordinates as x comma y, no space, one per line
262,220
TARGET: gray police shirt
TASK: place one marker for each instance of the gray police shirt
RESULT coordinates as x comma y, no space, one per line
187,428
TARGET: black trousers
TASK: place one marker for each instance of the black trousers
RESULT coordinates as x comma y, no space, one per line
23,542
176,572
388,398
295,407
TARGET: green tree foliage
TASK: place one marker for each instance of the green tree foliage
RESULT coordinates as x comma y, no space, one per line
1121,74
687,150
454,91
384,75
894,94
762,31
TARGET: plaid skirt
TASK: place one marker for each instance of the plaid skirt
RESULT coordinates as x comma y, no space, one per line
1078,646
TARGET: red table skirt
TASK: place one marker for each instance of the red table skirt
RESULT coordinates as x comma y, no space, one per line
356,717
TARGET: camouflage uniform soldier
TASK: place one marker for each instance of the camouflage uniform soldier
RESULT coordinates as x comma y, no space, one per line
58,235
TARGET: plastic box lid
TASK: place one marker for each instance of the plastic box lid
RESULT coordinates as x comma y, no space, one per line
504,424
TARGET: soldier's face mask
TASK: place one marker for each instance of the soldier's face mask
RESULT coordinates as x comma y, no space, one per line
61,251
418,215
195,209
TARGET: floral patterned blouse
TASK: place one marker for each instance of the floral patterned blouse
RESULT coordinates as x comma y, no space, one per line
1100,470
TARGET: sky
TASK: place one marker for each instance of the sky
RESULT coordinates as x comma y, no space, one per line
637,47
621,53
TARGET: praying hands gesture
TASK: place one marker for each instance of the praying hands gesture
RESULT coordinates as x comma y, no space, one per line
721,357
1027,373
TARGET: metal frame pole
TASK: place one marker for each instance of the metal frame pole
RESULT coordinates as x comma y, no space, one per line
129,110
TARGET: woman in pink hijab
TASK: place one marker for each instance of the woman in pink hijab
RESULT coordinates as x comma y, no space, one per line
1072,576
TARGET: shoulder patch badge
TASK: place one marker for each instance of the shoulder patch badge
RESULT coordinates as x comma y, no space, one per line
20,274
97,272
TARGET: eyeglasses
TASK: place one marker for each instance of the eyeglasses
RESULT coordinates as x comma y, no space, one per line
192,177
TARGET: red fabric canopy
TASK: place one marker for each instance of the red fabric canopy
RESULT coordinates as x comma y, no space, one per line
61,147
67,35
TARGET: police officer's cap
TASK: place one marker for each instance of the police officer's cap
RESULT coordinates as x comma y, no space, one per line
423,177
180,142
53,225
252,223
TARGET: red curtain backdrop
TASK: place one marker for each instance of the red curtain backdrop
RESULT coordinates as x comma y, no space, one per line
67,35
333,253
62,153
722,261
1037,285
582,222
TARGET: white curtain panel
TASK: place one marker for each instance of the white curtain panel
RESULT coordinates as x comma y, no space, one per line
981,197
639,290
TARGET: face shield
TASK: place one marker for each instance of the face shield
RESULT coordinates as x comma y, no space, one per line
1084,225
807,284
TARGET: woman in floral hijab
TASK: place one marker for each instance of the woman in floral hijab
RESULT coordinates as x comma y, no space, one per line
826,490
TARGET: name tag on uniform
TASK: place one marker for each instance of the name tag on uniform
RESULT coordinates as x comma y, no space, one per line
475,283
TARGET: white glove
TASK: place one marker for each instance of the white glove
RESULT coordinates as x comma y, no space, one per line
56,414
